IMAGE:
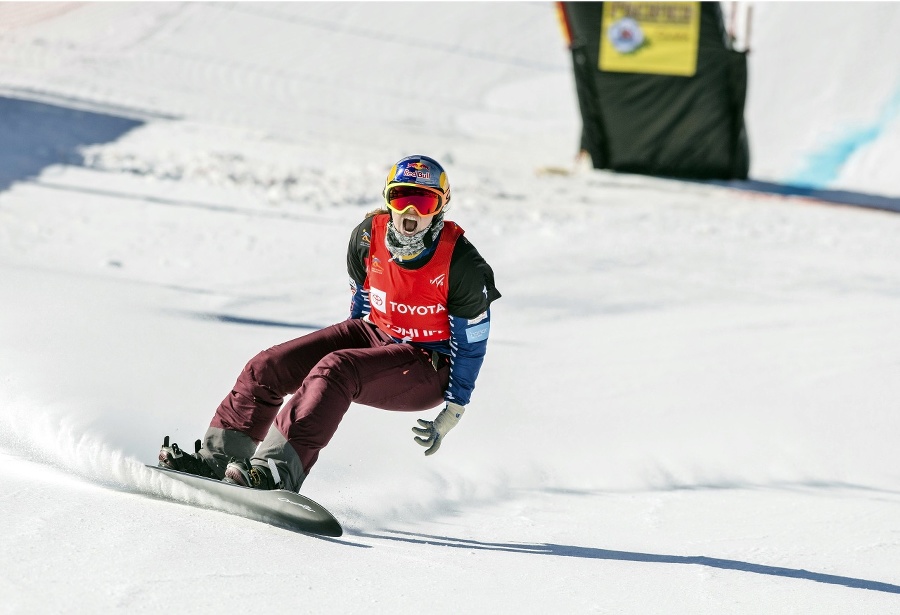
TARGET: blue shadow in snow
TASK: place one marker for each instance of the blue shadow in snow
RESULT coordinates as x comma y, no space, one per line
838,197
36,135
824,166
630,556
257,322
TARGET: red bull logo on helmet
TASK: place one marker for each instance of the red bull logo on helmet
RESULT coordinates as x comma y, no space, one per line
417,170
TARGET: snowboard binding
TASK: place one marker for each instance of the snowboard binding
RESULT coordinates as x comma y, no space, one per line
173,458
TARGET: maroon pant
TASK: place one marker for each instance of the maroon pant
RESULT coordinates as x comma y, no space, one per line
352,361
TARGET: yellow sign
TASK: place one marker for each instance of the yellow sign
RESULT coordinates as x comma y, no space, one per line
660,38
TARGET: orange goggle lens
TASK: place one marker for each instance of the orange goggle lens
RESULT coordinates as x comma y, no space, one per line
424,201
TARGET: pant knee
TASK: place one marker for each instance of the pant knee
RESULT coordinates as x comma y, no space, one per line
337,368
261,369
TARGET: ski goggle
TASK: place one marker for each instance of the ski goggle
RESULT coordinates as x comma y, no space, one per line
424,201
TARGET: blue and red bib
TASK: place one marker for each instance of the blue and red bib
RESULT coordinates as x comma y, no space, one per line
410,304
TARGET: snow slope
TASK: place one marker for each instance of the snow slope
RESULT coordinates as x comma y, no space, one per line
689,400
823,101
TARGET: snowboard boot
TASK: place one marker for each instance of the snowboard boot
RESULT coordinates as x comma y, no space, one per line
173,458
254,475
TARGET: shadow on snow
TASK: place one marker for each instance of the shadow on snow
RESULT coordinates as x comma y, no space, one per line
256,322
630,556
35,135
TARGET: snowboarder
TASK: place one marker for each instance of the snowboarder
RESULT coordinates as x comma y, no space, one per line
416,337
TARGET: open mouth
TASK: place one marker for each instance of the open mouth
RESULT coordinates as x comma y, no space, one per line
409,226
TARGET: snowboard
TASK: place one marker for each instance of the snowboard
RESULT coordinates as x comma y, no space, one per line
277,507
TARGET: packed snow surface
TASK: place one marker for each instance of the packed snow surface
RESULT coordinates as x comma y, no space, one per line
689,402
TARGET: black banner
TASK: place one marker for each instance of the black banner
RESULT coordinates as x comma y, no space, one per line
664,125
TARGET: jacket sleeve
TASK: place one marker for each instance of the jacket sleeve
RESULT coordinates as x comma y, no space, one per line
468,344
359,301
357,253
472,291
